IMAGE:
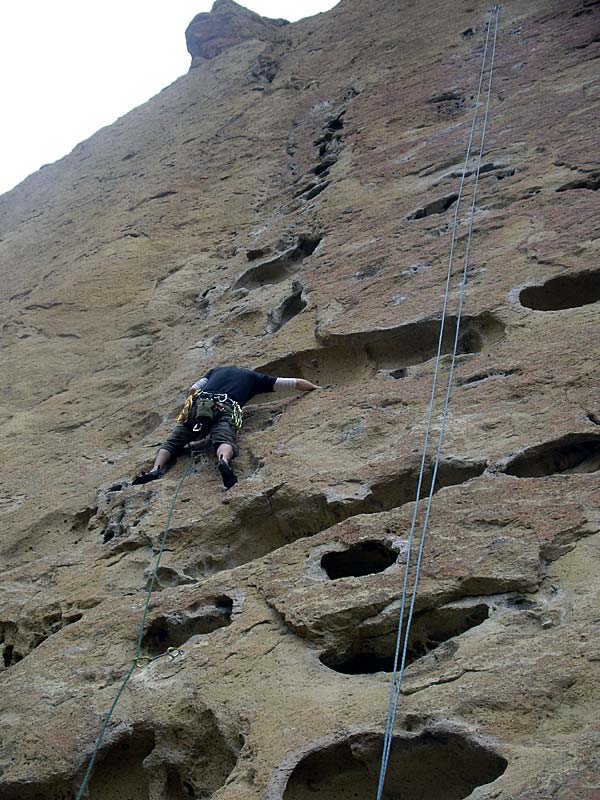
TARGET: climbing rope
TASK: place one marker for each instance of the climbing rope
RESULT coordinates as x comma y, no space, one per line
139,660
403,632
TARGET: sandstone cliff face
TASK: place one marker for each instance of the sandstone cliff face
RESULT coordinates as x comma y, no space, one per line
287,205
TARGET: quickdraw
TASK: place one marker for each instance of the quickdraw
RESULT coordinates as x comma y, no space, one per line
171,653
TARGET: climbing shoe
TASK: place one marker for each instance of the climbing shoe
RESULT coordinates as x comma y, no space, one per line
146,477
228,475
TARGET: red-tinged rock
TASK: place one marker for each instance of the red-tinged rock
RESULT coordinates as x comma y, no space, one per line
227,25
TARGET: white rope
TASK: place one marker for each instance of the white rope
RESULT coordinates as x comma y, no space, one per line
396,685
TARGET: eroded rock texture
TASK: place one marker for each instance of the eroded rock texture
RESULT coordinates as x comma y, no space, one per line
287,205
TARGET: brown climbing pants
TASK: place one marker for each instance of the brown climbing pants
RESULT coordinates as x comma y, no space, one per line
219,431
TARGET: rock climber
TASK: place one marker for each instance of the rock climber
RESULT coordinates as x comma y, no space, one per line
213,409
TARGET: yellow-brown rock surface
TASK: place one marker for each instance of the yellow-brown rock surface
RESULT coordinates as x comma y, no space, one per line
288,205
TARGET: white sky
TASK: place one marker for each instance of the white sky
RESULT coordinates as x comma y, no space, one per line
69,67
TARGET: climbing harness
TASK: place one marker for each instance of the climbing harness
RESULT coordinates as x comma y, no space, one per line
139,660
403,631
206,407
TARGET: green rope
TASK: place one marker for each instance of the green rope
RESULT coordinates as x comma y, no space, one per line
189,468
138,651
88,771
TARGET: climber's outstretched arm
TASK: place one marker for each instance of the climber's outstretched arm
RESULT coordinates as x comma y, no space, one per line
281,384
305,386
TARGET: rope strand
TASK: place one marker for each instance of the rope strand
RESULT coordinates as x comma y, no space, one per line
396,684
138,650
390,710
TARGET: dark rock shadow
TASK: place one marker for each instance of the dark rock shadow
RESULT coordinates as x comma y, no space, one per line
570,290
293,305
429,629
175,628
431,765
280,267
348,358
576,453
